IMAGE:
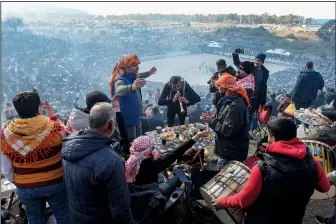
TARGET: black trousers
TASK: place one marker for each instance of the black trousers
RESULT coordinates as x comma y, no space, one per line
171,114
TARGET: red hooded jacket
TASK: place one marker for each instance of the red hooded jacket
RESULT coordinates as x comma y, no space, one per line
249,194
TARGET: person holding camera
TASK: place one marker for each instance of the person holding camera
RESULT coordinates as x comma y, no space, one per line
221,69
261,75
180,96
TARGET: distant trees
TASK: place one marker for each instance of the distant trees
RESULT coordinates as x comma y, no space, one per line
232,17
14,22
327,31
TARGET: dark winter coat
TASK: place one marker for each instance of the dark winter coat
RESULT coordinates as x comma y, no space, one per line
95,180
308,83
231,127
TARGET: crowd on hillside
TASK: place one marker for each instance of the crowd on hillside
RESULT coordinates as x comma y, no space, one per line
66,156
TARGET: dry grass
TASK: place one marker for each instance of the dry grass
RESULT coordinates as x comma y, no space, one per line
300,35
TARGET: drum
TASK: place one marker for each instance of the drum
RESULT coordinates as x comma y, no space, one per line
326,156
228,182
323,153
250,161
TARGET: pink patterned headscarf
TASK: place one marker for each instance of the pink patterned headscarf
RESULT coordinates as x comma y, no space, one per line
140,150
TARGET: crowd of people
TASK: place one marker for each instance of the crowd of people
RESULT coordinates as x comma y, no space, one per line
84,152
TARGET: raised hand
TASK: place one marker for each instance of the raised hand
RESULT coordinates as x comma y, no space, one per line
138,83
152,71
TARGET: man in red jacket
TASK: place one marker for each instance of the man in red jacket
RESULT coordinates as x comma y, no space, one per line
280,186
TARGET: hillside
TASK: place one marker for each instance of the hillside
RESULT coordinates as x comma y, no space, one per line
45,12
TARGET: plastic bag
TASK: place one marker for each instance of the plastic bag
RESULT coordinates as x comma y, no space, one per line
290,110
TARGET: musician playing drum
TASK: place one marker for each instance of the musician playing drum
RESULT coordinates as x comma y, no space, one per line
281,184
177,95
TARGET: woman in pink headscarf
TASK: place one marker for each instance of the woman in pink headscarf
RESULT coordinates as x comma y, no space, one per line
145,163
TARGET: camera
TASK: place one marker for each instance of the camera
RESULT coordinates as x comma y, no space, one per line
240,50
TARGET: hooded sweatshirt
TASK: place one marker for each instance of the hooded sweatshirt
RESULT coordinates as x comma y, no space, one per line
250,193
78,120
95,179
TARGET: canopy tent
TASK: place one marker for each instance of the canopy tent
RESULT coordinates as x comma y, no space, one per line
214,44
279,52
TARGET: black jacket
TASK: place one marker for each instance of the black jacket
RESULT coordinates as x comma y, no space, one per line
150,168
308,83
231,128
288,184
168,93
260,93
215,76
95,180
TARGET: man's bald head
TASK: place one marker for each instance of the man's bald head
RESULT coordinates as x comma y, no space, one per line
100,115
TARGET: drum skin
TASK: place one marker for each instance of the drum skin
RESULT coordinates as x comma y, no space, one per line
325,154
231,180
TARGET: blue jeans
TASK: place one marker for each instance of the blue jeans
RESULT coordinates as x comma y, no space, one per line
252,114
34,199
221,163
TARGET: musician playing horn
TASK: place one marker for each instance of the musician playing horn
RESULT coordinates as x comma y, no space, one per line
177,95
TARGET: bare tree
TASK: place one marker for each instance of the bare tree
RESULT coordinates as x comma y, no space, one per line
14,22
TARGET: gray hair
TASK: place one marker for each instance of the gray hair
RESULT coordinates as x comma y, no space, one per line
100,115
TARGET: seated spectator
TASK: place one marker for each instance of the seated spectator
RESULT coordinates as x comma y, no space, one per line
330,96
156,120
31,158
320,99
145,163
274,104
91,163
285,102
195,116
9,112
79,117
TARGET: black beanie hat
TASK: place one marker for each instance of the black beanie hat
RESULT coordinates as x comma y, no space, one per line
247,66
96,97
261,57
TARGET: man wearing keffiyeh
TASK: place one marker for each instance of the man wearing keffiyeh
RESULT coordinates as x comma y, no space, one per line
127,82
230,121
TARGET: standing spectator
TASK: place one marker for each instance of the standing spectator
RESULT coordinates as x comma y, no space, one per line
31,158
245,77
261,75
308,83
221,68
230,122
127,82
91,163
